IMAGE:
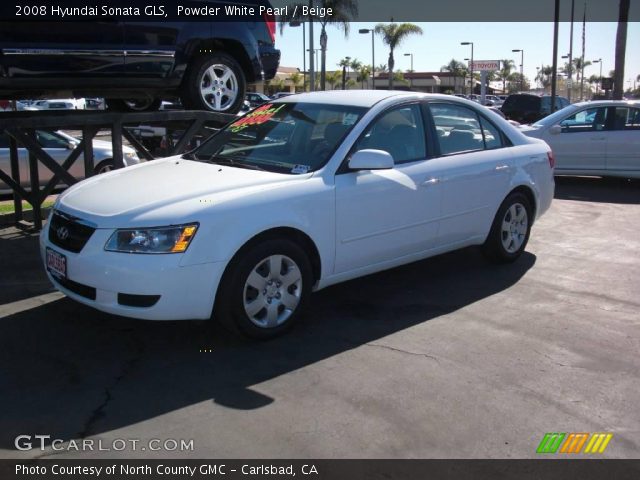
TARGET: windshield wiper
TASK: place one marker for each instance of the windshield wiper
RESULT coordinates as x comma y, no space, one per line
232,162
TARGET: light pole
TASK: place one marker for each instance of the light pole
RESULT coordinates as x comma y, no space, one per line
521,68
373,54
465,76
410,78
600,77
471,64
313,52
297,23
569,78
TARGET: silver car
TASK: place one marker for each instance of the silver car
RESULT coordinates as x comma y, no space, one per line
58,145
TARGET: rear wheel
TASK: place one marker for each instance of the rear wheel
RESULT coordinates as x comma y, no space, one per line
264,289
214,82
510,229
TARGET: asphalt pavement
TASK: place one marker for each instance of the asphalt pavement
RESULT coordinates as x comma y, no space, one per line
450,357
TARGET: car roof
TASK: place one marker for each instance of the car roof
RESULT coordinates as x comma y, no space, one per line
356,98
608,103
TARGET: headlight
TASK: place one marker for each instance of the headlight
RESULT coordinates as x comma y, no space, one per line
131,155
174,239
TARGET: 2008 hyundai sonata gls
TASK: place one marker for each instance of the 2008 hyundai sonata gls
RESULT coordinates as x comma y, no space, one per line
302,193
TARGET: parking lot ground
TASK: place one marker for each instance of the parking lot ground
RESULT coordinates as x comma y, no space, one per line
451,357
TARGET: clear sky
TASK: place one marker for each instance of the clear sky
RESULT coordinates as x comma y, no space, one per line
492,41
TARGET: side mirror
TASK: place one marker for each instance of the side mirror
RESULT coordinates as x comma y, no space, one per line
556,129
371,160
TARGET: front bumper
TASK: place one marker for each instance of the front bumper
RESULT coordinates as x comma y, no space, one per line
184,291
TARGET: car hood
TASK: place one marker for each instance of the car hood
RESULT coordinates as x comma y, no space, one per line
172,190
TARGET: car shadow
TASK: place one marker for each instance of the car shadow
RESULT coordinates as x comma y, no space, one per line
69,371
596,189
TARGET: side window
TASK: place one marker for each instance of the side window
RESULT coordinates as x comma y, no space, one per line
626,119
400,132
585,121
458,128
492,137
49,140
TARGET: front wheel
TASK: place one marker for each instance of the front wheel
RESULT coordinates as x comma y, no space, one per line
510,229
264,289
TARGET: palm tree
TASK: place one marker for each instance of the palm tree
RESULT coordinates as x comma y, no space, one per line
333,78
392,35
295,78
345,63
505,71
457,68
364,72
544,76
342,13
621,48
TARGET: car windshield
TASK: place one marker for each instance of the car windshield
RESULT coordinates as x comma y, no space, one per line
281,137
554,118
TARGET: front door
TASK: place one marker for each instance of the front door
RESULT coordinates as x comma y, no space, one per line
582,143
382,215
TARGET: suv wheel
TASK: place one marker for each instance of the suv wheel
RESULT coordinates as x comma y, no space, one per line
215,83
134,104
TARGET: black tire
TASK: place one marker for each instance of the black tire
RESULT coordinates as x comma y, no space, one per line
197,76
104,166
494,247
229,308
133,105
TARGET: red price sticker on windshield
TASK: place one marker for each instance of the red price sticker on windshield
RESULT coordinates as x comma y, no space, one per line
259,116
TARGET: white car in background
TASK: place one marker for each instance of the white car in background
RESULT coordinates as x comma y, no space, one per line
58,145
301,193
593,138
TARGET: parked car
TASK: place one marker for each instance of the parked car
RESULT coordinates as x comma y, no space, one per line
135,64
494,101
527,108
593,138
58,104
278,95
256,98
299,194
58,145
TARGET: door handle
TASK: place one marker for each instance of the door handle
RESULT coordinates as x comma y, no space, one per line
431,181
502,167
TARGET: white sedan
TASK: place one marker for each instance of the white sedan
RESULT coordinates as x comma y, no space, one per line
593,138
299,194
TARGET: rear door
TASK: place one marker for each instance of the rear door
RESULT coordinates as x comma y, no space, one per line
62,50
582,143
623,143
474,166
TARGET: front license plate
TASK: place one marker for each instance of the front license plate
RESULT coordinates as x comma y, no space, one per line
56,263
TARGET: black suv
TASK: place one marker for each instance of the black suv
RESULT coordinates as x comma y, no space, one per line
528,108
134,64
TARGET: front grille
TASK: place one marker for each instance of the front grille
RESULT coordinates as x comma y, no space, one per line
67,233
77,288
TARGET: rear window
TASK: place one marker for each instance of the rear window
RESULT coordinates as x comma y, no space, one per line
522,102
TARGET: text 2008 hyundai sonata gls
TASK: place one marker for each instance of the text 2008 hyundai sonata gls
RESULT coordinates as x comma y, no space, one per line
302,193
